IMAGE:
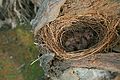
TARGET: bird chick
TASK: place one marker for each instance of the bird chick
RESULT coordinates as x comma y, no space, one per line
88,35
79,41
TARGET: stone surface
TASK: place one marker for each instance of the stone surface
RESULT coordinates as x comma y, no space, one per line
69,75
85,74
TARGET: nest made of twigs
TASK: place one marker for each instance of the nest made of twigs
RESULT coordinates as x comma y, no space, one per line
56,34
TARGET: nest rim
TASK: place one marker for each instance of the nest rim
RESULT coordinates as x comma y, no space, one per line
62,54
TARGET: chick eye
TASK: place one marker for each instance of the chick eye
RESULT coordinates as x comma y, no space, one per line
90,35
78,42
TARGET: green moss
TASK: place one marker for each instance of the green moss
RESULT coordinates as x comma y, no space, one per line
1,77
24,35
33,72
10,76
19,43
1,66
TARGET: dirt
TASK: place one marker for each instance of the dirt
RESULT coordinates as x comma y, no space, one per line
8,68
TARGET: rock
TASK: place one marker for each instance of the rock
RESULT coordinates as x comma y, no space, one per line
69,75
85,74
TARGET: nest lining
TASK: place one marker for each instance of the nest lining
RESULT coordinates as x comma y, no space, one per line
78,37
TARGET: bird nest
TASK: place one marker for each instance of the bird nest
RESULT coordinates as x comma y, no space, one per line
78,37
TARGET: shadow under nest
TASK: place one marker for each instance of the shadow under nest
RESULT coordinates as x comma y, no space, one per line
75,38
